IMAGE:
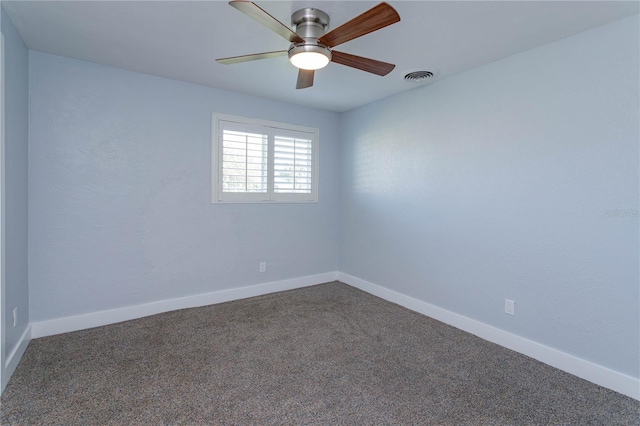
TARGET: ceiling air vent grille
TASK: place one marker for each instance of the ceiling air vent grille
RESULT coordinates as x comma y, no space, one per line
419,76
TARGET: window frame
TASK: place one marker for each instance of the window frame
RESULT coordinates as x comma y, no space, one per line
270,129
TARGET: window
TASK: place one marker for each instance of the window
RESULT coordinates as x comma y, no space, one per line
255,161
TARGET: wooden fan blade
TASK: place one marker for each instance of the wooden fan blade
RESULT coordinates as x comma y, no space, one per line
253,57
305,79
378,17
364,64
254,11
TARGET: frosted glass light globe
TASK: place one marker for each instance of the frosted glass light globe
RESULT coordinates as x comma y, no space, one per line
309,56
309,60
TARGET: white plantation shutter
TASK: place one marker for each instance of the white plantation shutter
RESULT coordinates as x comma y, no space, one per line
260,161
293,164
244,162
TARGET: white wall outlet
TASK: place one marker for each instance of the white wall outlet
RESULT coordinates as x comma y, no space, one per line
509,307
263,266
15,316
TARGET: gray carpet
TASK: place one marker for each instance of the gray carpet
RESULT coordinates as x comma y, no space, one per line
327,354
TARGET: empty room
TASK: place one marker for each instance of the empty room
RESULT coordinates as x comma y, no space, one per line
320,212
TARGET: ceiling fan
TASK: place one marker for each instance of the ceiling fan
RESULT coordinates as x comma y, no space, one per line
311,48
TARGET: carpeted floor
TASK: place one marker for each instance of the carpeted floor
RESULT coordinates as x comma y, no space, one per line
327,354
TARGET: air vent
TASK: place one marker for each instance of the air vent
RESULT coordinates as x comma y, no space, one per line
419,76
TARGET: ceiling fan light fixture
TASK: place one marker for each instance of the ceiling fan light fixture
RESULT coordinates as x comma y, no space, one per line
309,56
311,44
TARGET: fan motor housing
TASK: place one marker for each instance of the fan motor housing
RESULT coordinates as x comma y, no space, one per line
297,48
310,22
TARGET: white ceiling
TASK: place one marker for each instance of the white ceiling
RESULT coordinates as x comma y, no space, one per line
181,39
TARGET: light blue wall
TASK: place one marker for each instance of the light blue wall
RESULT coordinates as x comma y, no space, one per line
496,183
16,178
120,208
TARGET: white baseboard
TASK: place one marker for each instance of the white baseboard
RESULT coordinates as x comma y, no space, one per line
97,319
14,357
571,364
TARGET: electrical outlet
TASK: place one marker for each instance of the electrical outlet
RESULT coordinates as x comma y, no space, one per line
15,316
509,307
263,266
